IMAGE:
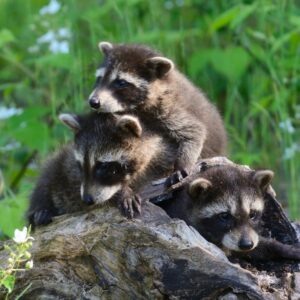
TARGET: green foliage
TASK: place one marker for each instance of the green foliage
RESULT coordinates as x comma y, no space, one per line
244,54
18,260
12,209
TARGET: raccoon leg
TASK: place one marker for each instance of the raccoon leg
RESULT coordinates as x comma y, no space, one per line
176,177
41,208
42,217
275,249
188,153
191,136
130,202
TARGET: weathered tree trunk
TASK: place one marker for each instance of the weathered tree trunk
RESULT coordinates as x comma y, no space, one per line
99,254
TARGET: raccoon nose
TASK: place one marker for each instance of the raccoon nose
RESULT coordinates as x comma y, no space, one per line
94,103
88,199
245,244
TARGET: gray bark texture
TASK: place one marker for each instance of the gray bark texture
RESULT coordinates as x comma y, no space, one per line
99,254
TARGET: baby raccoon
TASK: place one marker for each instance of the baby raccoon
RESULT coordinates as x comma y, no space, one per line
111,155
225,205
136,78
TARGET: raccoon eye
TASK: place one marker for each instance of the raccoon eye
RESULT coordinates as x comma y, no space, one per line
120,84
225,217
253,215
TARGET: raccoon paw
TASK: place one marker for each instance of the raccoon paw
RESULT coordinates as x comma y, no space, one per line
131,204
176,177
42,217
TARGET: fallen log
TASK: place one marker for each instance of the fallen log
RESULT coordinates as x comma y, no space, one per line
99,254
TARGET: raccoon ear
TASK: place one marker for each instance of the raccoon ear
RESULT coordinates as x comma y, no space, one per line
160,65
105,47
130,125
263,178
71,121
198,186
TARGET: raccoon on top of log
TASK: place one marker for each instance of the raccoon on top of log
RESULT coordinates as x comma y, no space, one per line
112,156
225,205
136,79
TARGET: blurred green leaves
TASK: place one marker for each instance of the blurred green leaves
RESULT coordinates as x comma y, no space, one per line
231,62
28,129
6,37
59,60
12,210
233,16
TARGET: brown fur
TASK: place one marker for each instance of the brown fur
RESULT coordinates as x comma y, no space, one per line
99,138
166,101
221,189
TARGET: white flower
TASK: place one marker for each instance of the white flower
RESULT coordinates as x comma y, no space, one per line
10,147
47,37
52,8
6,112
29,264
59,47
287,126
64,32
21,236
291,151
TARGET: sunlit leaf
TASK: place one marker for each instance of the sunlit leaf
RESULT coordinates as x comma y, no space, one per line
232,62
198,61
225,18
244,13
12,213
9,282
6,37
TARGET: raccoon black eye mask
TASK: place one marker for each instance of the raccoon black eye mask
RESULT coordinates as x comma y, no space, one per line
109,173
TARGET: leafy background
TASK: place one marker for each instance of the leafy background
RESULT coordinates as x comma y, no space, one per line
244,54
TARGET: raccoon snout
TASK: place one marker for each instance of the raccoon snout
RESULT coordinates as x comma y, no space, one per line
245,244
94,103
88,199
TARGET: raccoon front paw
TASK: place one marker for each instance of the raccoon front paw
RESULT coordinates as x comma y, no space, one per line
176,177
42,217
131,204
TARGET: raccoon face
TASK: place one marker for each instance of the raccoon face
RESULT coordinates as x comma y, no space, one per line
107,153
111,151
227,207
101,178
123,78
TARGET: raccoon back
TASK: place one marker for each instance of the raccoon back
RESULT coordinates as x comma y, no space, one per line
58,187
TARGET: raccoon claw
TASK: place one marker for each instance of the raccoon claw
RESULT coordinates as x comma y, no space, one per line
130,205
176,177
42,217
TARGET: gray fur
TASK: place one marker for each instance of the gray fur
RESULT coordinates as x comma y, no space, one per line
58,188
164,99
99,138
227,189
